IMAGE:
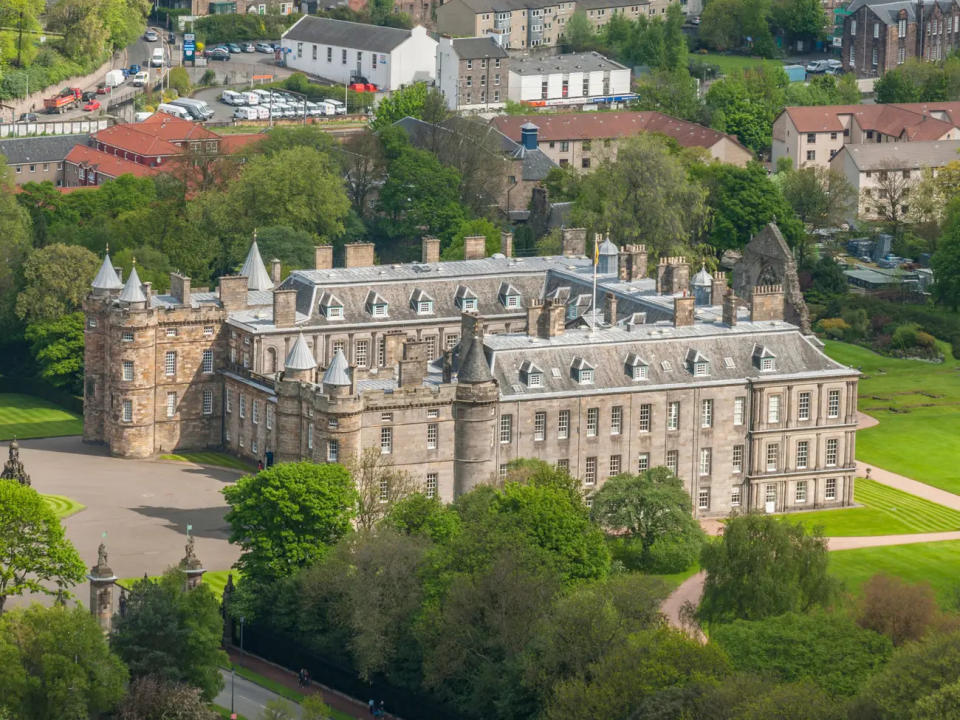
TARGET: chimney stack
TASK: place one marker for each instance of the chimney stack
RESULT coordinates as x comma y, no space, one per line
673,275
233,292
683,307
719,288
610,308
323,257
275,271
413,365
284,308
635,263
359,255
180,288
474,247
430,249
766,303
574,241
506,243
729,308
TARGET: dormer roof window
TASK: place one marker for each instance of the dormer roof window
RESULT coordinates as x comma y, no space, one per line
698,364
581,371
636,366
376,305
531,374
331,307
764,359
421,302
465,298
509,296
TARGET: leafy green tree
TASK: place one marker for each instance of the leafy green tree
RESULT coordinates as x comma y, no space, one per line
793,701
939,705
150,698
821,197
673,92
746,103
649,512
416,101
643,196
578,33
674,40
56,280
562,183
649,661
279,709
153,266
57,664
827,649
313,707
764,566
419,515
727,23
294,248
800,19
179,80
914,81
946,260
15,246
472,228
287,517
57,348
289,137
34,552
828,277
172,633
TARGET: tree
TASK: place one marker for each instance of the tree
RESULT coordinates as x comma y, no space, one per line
57,348
294,248
673,92
946,260
794,701
364,166
150,698
472,228
764,566
420,515
892,189
179,80
291,137
472,148
173,633
828,277
153,266
85,34
821,197
828,649
900,610
913,81
287,516
379,486
313,707
57,664
15,246
56,280
416,101
746,104
578,33
643,196
651,512
34,552
800,19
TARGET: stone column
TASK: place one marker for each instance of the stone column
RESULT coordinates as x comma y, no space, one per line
101,579
228,590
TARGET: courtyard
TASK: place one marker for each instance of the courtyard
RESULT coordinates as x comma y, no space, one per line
144,506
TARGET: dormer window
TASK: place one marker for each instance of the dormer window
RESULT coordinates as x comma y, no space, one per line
698,364
376,305
531,374
421,302
582,371
764,359
465,298
334,312
331,307
509,296
637,369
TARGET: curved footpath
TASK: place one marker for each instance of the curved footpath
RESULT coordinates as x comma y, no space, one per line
691,589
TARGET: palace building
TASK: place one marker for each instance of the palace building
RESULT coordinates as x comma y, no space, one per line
453,369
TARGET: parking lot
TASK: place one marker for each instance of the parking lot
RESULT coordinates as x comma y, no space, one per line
225,113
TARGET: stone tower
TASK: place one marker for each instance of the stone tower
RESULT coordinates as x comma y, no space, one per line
342,409
13,469
475,414
106,286
294,395
101,579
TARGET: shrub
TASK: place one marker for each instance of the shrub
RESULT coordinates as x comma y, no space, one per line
905,336
835,328
209,78
180,80
895,608
668,555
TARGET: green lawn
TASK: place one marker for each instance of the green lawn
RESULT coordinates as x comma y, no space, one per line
225,712
63,506
731,63
886,511
935,563
210,458
215,579
25,416
676,579
916,403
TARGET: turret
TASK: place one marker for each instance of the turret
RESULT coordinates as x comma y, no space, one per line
475,410
701,286
609,261
105,286
295,390
254,270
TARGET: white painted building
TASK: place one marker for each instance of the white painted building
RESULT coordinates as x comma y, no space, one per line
342,51
569,80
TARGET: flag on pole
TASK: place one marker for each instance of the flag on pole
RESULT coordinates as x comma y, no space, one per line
596,250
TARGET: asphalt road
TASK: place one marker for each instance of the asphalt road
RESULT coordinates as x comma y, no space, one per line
249,699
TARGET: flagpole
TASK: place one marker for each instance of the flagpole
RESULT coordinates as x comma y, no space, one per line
596,261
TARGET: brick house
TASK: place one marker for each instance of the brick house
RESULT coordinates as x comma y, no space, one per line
473,74
38,159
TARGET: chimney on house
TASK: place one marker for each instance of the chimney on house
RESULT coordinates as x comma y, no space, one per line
474,247
275,271
718,289
506,243
673,275
359,255
574,241
413,365
323,257
180,288
430,249
284,308
766,303
610,308
683,307
729,308
545,318
634,263
233,292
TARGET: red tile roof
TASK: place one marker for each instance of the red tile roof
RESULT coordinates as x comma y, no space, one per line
106,163
128,137
229,144
173,129
602,125
916,121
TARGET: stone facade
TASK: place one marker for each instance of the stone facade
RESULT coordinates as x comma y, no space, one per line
433,364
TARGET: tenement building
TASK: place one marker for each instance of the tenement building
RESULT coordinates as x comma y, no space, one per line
453,369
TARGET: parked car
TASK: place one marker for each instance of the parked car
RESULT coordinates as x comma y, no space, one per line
264,47
172,38
248,47
89,95
132,70
363,87
92,105
151,36
217,54
28,117
233,47
231,97
245,113
817,66
141,78
156,58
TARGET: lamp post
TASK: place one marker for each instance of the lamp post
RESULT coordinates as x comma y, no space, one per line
241,633
233,678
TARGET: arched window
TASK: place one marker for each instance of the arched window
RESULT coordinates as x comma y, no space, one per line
270,361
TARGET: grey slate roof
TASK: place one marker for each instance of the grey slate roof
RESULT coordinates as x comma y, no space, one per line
610,352
337,373
106,278
358,36
253,269
48,148
478,47
571,62
889,11
914,155
132,291
473,368
300,357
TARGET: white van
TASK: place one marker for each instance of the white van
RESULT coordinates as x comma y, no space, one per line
141,116
263,112
250,98
245,113
338,107
156,59
231,98
263,95
174,110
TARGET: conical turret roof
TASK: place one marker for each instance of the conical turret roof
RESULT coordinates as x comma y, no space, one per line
254,270
300,357
132,292
337,373
473,366
702,278
106,278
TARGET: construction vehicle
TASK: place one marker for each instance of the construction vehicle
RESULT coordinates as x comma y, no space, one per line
66,99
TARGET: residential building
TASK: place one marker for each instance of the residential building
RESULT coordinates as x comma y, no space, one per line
581,140
885,174
574,79
86,166
811,136
453,369
472,73
38,159
342,51
879,36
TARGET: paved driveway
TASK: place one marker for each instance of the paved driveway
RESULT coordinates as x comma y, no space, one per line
143,505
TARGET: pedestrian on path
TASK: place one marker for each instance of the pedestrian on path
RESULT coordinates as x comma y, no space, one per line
373,706
300,677
306,678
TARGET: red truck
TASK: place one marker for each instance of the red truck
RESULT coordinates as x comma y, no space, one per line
67,98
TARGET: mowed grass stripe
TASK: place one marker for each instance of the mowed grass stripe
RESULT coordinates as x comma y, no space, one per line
24,416
935,563
885,511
